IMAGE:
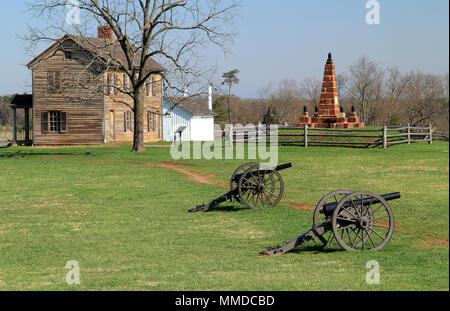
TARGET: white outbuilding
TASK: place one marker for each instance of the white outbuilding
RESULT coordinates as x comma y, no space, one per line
194,116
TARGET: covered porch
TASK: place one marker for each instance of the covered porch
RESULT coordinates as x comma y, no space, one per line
22,107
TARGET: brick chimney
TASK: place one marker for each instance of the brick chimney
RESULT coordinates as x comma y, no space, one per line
106,32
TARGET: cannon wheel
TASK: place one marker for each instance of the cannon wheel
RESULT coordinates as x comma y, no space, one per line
318,217
363,227
241,169
260,188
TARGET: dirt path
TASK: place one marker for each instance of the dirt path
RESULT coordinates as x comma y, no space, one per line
303,206
193,176
433,240
435,243
178,167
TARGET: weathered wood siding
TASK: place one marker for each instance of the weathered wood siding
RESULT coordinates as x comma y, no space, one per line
153,103
80,95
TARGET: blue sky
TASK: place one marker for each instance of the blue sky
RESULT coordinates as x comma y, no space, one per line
290,39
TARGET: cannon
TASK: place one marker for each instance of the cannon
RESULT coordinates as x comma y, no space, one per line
359,220
252,184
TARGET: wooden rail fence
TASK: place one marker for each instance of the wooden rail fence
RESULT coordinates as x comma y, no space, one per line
355,137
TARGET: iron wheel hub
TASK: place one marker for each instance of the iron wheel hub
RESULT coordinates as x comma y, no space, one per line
363,223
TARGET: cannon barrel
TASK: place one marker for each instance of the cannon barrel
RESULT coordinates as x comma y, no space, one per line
283,166
330,207
264,170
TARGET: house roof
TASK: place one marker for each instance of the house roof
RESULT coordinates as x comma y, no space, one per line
197,106
101,48
22,101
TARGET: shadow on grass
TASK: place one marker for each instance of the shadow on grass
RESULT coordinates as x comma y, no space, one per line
227,208
314,249
20,154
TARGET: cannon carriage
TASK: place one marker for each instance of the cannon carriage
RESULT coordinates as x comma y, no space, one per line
253,185
359,220
355,220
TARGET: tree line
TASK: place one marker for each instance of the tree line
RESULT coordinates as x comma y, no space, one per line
5,110
380,96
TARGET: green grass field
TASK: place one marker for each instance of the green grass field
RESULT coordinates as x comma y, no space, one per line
128,226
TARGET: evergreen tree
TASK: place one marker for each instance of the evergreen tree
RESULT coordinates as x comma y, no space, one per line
271,116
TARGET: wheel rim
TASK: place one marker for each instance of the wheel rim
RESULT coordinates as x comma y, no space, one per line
318,217
260,188
241,169
366,226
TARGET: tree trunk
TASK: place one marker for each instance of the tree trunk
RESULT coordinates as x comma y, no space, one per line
228,104
138,141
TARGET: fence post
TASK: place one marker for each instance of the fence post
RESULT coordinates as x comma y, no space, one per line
306,135
230,135
430,135
409,133
384,137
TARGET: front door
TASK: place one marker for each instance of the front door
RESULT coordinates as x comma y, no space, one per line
112,125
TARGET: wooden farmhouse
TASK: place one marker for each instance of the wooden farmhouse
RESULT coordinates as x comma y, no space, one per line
77,96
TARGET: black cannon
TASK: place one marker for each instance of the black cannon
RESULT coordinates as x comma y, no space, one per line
359,220
254,185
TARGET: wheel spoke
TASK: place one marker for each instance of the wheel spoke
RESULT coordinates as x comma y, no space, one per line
271,193
346,219
262,199
362,239
253,198
376,210
380,217
356,238
378,225
376,233
370,204
330,239
348,234
256,199
353,215
356,208
370,238
248,196
249,181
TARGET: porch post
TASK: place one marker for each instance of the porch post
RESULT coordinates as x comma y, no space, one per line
14,126
27,125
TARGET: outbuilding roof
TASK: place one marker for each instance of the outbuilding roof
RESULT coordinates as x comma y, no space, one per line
197,106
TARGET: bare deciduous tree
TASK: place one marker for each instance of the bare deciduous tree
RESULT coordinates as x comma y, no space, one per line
171,31
341,83
311,89
422,95
394,89
361,84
